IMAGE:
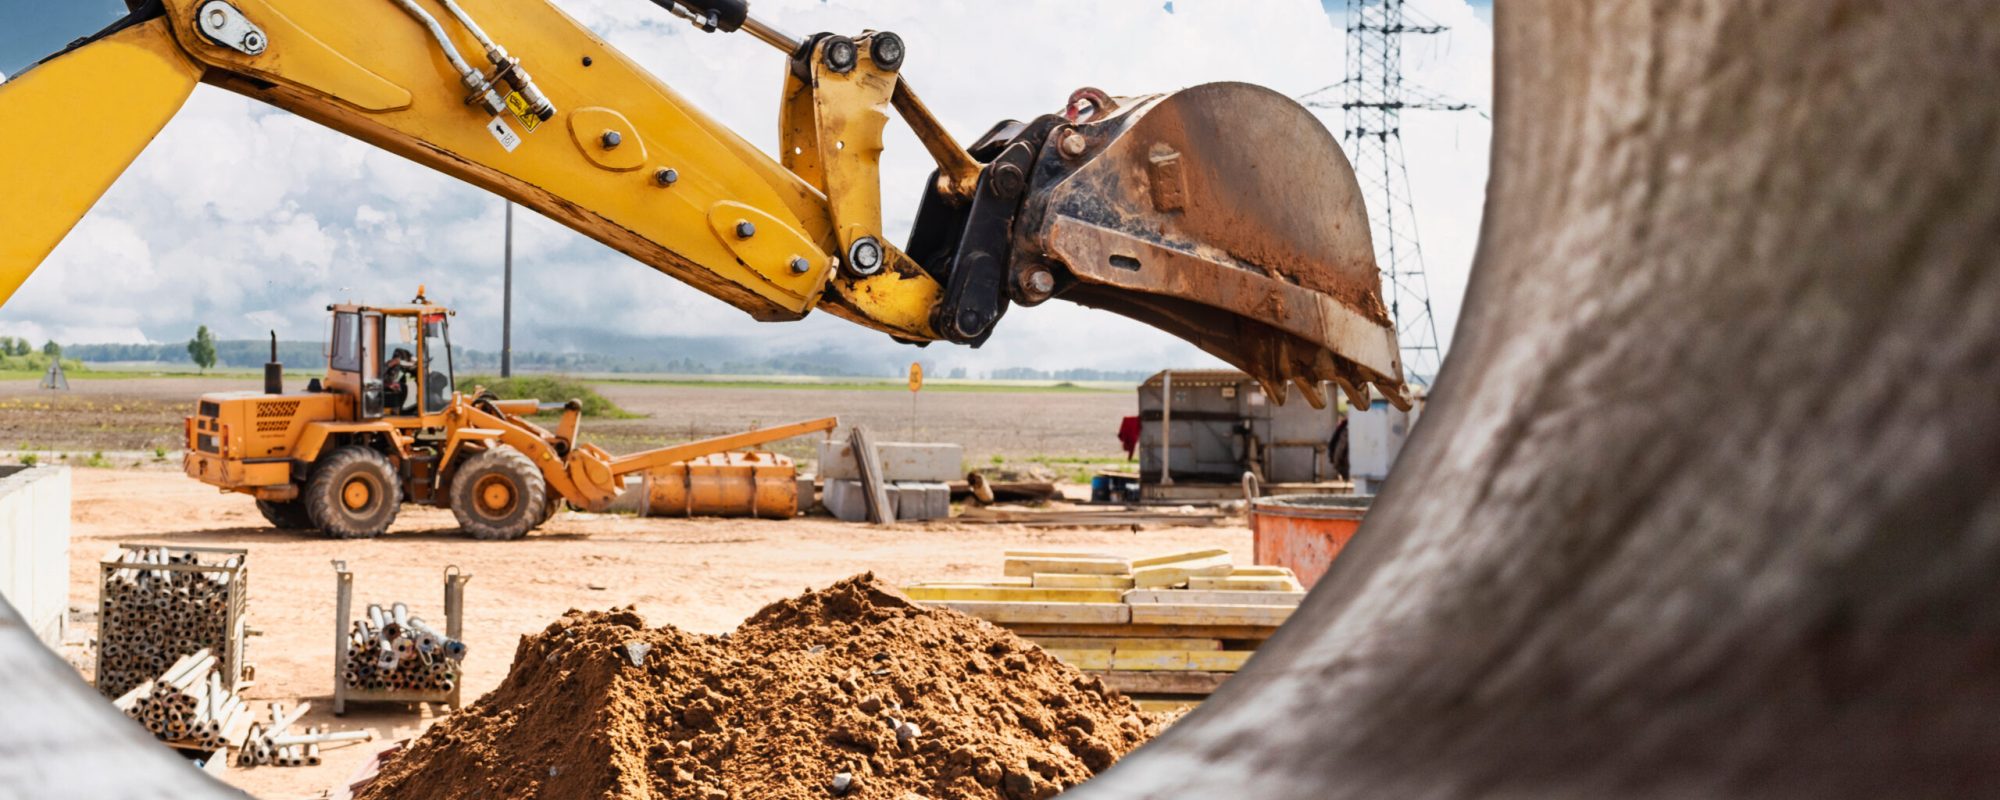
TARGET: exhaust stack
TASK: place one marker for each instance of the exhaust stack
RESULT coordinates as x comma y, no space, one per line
274,372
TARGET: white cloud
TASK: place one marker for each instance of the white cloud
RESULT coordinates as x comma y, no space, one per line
244,218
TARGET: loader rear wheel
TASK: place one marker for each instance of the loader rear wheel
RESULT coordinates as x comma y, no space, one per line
289,515
353,494
499,495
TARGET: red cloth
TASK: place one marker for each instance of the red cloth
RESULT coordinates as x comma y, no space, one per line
1128,435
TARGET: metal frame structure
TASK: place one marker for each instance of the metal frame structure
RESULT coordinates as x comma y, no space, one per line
1373,97
454,621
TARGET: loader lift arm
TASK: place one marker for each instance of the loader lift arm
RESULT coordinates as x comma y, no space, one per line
1224,214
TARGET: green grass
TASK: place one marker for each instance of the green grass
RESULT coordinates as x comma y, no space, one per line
551,389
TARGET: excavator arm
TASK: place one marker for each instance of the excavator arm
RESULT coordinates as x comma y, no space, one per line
1224,214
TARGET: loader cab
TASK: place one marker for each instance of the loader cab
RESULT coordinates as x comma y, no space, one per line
394,362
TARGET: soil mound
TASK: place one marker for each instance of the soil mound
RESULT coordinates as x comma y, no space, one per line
848,692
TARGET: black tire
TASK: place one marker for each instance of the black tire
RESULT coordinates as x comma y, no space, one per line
353,493
499,495
289,515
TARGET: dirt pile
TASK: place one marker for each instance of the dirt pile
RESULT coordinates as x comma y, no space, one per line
848,692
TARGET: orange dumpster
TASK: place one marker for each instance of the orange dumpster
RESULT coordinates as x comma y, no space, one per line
1305,532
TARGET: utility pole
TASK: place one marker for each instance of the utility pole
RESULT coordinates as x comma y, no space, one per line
507,301
1373,98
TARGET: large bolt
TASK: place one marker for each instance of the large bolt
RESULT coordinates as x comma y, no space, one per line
886,49
865,256
841,54
253,42
970,322
1040,282
666,176
800,265
610,140
1072,144
744,229
1008,181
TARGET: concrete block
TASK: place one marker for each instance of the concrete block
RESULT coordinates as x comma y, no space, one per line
807,496
846,499
927,462
921,500
34,547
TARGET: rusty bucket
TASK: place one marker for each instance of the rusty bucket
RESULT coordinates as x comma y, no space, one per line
1305,532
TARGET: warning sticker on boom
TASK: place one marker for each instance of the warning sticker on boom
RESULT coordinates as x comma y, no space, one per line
519,105
505,133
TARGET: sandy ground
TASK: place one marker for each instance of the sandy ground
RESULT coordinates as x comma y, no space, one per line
701,575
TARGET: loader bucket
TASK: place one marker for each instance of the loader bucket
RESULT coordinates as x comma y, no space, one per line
1226,215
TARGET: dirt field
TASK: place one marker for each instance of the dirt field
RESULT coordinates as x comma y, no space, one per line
702,575
131,416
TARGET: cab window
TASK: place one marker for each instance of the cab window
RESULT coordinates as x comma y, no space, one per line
399,367
345,355
437,364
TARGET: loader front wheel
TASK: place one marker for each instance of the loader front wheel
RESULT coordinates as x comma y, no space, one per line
353,494
499,495
289,515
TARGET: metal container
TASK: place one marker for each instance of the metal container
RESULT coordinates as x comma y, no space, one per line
725,485
1305,532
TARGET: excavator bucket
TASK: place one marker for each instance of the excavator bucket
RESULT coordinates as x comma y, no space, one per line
1224,214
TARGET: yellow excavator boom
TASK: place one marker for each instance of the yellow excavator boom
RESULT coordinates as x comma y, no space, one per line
1224,214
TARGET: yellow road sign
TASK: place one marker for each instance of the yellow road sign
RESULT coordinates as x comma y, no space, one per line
916,376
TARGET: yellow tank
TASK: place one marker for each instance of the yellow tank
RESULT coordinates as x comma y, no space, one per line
725,485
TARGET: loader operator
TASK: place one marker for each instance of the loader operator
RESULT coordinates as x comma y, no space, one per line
396,381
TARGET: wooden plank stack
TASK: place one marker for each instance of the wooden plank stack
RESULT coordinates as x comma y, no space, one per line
186,705
1166,630
395,651
157,604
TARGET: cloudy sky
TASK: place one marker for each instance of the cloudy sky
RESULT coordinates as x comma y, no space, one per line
245,218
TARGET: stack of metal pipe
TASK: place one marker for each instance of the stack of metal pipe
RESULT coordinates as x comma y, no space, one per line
154,616
273,743
186,703
391,650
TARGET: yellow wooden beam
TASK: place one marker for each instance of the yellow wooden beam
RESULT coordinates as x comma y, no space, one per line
1030,565
1058,613
1174,614
1054,580
1176,570
1239,582
1197,597
1014,594
1124,643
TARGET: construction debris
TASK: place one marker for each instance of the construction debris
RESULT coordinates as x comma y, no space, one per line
1167,630
187,705
849,691
272,743
158,604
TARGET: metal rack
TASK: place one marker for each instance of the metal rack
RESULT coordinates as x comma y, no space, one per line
235,672
454,615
